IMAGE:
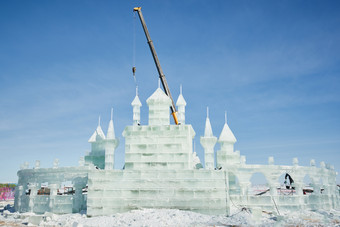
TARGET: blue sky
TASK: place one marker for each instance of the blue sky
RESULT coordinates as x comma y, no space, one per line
273,65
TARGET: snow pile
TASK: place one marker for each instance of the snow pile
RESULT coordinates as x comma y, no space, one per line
172,217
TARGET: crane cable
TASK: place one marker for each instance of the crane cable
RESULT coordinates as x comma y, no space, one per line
134,49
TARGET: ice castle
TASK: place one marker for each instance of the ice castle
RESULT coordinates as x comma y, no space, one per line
162,171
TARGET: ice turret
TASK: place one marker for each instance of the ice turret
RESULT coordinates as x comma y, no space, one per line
159,104
136,104
111,143
102,148
208,142
181,103
226,155
97,154
98,134
227,138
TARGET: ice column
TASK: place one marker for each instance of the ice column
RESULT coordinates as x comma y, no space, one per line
181,103
18,197
136,104
53,194
33,192
111,143
208,142
226,154
159,104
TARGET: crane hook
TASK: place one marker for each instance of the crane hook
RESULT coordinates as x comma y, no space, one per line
133,70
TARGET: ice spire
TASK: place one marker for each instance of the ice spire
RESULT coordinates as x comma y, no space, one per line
226,155
208,130
136,104
227,135
98,133
110,145
208,141
181,103
225,118
111,131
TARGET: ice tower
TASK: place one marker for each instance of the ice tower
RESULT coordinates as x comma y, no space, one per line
208,142
136,104
158,145
102,148
111,143
226,155
181,103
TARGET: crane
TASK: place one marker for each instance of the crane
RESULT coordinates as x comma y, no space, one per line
158,65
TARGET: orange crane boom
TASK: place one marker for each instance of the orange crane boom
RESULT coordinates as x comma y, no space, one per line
158,65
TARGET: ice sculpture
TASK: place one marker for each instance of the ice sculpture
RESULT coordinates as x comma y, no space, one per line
226,155
136,104
162,170
208,142
181,103
102,147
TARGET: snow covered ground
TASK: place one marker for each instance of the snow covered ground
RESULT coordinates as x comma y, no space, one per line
171,217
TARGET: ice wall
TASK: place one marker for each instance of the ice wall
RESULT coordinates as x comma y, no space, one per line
324,194
119,191
31,181
158,147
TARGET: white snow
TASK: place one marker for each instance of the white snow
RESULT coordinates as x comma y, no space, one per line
171,217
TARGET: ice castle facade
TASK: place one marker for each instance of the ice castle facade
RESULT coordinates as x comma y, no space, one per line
162,171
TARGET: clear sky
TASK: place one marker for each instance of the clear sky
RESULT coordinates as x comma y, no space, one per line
273,65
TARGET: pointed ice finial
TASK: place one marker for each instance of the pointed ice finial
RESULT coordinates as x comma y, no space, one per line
226,134
136,101
208,130
98,133
159,83
225,117
110,130
180,89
